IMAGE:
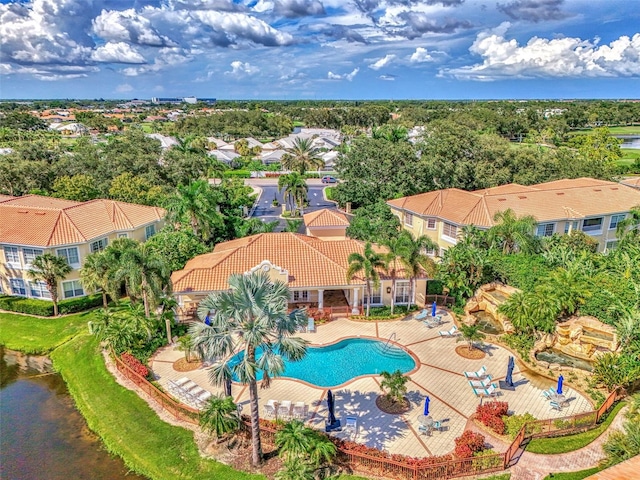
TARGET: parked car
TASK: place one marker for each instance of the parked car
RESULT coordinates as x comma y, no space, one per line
329,179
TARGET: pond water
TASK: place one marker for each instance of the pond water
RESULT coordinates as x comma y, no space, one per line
555,356
629,141
43,435
487,324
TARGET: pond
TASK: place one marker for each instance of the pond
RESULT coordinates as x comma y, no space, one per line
43,435
629,141
487,324
561,358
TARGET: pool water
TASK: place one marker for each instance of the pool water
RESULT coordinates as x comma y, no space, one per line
555,356
338,363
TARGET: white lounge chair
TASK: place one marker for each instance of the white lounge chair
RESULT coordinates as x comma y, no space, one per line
476,375
422,315
351,425
311,325
271,408
300,410
482,383
452,332
555,406
284,409
489,391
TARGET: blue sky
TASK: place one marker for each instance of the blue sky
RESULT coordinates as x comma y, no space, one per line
320,49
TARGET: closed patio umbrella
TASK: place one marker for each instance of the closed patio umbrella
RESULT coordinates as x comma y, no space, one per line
433,309
510,366
559,389
331,407
426,406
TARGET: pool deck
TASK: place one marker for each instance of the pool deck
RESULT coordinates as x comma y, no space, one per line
438,374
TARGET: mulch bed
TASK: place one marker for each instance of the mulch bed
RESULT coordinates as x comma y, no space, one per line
181,365
391,407
473,354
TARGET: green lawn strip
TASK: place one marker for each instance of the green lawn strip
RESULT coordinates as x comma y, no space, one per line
628,130
36,335
570,443
573,475
328,191
126,424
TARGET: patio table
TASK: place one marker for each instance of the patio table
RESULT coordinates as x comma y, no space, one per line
561,399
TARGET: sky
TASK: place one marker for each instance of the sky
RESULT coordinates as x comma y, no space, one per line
320,49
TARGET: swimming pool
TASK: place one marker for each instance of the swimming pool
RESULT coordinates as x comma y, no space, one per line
338,363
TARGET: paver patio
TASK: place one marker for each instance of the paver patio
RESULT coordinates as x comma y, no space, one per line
438,374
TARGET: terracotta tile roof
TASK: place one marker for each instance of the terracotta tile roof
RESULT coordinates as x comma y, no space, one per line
632,182
325,218
626,470
310,261
4,198
561,199
45,221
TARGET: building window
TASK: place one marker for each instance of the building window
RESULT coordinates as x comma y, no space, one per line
402,292
39,290
431,223
70,255
611,245
72,289
123,235
430,251
615,220
11,255
301,296
17,287
574,226
449,230
376,295
99,245
591,225
408,219
30,254
545,229
149,232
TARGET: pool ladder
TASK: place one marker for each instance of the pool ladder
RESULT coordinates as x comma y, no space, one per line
386,345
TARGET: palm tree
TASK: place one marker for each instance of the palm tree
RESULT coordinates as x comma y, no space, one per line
96,274
296,440
220,416
513,234
49,269
395,246
395,384
294,188
250,317
367,265
470,334
629,227
302,156
295,469
293,226
415,260
145,273
197,205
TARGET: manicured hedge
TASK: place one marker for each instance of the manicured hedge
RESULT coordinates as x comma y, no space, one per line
44,308
237,174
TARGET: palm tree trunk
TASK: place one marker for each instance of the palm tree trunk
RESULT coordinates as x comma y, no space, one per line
412,291
145,300
393,293
255,424
104,299
368,296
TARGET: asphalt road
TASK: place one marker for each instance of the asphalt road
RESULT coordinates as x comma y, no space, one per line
269,186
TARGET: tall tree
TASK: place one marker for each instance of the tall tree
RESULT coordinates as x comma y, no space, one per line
415,259
294,188
49,269
250,317
97,274
366,264
514,234
302,156
396,247
197,205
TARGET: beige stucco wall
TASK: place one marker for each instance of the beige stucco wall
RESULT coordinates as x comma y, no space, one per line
334,233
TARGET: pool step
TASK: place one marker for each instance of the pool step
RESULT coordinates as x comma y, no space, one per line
389,351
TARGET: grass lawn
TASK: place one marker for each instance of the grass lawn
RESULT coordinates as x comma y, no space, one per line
633,130
573,475
328,191
570,443
126,424
39,335
629,156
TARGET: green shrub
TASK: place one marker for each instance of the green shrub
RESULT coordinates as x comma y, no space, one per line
434,287
44,308
521,343
237,174
515,422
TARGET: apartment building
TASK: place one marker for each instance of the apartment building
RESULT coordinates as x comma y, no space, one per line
592,206
32,225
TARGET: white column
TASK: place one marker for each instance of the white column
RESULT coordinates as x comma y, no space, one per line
320,300
354,306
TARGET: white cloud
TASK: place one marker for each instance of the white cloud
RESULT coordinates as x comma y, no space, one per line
377,65
119,52
388,78
421,55
541,57
124,88
239,68
344,76
127,26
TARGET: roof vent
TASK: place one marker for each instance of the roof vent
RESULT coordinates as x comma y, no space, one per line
40,213
614,188
502,199
23,211
597,189
522,197
559,193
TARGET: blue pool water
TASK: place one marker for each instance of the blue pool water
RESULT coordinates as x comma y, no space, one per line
338,363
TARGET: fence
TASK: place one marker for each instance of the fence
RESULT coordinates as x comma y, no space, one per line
442,300
178,410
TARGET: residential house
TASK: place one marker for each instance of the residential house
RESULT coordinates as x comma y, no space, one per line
592,206
32,225
326,224
314,269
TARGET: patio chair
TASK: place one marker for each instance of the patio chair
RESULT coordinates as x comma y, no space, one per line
311,325
424,429
452,332
490,391
181,381
476,375
351,425
433,321
546,394
300,410
284,409
269,410
555,406
482,383
422,315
